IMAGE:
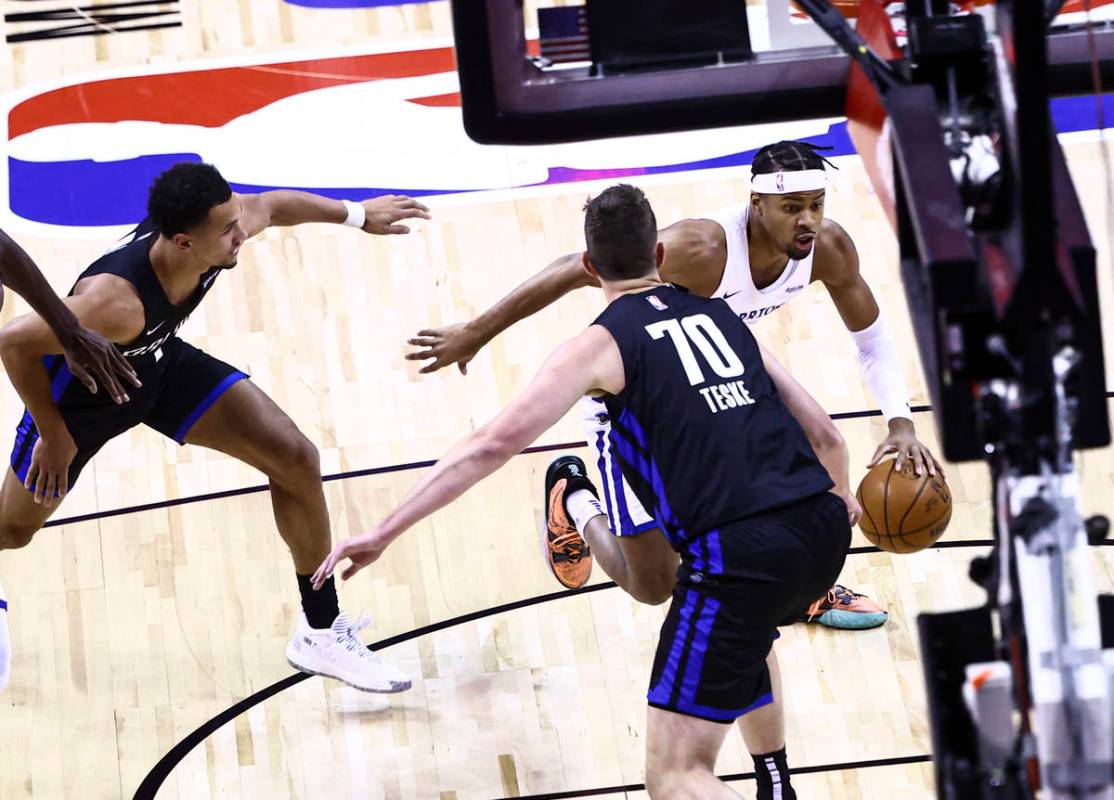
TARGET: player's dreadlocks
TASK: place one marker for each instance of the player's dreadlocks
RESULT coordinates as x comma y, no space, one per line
788,156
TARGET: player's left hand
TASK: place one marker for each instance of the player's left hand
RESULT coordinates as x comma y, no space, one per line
359,550
384,213
903,441
854,509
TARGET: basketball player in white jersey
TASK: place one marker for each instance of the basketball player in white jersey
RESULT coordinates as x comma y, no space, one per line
743,498
757,256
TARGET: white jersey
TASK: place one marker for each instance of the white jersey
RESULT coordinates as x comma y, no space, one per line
737,286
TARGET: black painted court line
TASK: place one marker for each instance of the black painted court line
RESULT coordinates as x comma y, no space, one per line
150,785
338,476
638,787
159,773
358,473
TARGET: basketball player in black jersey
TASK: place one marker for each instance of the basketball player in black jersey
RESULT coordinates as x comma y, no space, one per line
714,436
90,357
137,295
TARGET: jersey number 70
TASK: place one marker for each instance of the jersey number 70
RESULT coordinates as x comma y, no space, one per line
701,330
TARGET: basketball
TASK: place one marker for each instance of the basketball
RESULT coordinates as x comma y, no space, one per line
903,513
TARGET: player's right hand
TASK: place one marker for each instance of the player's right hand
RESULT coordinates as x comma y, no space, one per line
453,344
49,472
93,359
360,552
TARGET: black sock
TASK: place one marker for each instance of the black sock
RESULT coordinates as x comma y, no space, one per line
321,607
771,772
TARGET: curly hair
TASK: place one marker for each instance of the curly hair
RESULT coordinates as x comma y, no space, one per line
180,198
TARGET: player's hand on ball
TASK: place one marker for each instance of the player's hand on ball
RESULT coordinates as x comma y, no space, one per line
385,213
359,550
453,344
903,441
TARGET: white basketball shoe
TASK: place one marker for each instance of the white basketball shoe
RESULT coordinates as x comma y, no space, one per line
5,641
336,652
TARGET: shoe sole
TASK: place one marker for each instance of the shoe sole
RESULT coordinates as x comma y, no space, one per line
393,690
544,542
545,522
851,620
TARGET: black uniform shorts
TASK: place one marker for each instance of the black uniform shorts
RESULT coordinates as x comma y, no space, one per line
748,578
179,384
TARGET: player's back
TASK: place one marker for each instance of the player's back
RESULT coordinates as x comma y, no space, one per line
699,430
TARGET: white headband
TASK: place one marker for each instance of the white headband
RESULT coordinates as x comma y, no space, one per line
804,180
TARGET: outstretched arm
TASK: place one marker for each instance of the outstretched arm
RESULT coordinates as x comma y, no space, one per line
588,362
694,257
837,265
459,343
90,356
284,207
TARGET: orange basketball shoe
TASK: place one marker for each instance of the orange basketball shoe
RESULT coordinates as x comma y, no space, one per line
843,608
564,549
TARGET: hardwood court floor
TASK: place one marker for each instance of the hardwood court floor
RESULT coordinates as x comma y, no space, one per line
133,630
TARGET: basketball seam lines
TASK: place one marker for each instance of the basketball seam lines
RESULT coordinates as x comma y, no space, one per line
869,516
886,500
886,508
945,513
924,483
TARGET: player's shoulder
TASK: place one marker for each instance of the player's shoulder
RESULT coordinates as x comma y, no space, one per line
110,291
695,235
695,253
832,235
836,257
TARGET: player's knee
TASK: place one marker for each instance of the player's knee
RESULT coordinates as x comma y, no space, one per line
670,782
651,596
300,462
653,588
13,537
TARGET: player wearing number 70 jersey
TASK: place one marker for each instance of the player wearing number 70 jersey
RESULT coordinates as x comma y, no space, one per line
757,256
714,437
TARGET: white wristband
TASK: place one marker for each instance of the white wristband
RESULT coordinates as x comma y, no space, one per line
357,214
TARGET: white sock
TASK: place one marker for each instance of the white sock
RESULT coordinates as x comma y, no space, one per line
583,507
5,641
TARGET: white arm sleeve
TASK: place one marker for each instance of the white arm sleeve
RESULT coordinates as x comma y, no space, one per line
881,367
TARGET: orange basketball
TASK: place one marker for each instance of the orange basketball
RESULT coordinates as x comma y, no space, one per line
901,512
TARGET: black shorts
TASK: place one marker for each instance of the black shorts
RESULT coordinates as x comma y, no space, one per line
711,656
178,387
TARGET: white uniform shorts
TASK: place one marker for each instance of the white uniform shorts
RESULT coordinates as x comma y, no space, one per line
624,511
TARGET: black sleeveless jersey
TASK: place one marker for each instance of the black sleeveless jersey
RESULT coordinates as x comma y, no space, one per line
131,261
699,430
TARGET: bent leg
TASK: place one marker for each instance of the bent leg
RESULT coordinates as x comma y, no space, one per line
20,516
247,424
646,561
681,757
